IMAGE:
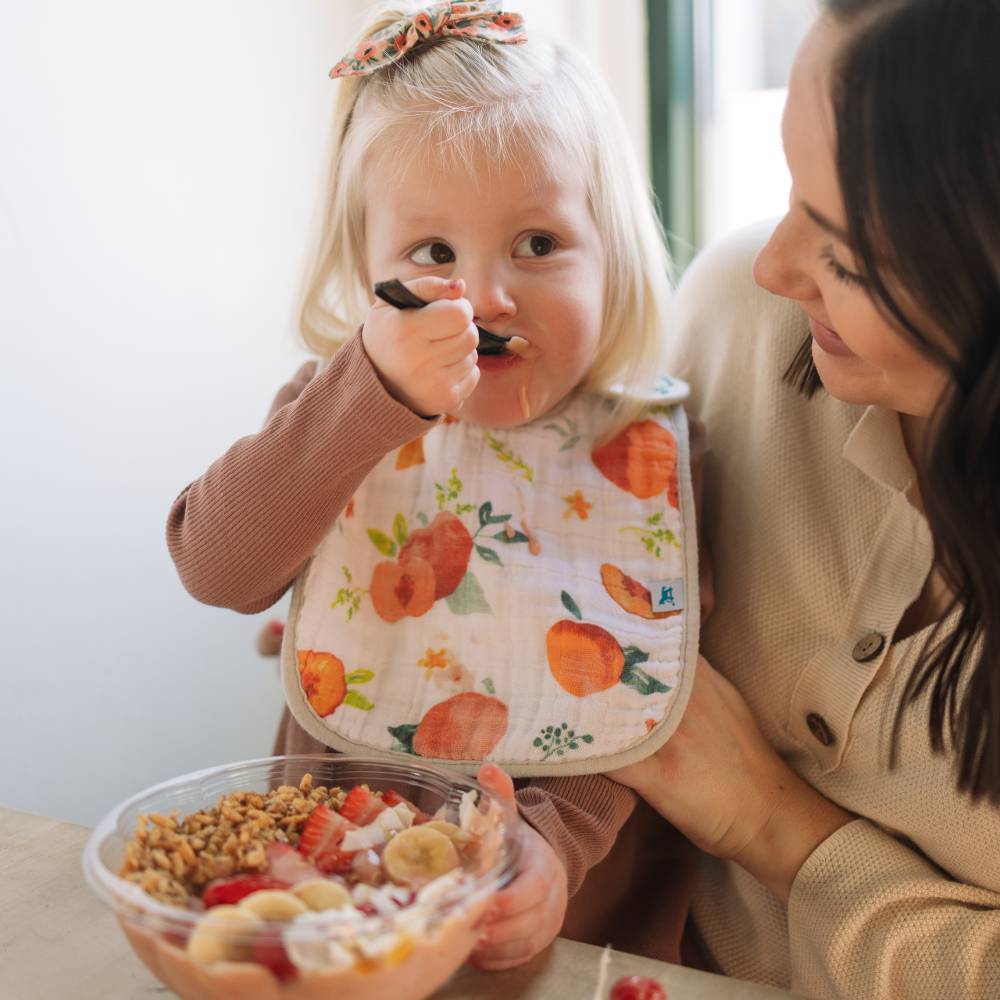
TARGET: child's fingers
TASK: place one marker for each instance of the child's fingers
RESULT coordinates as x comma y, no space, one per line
496,780
444,320
463,390
528,891
448,350
431,288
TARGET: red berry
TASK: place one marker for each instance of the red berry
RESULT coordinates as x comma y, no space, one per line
393,798
324,829
268,950
361,806
232,890
637,988
334,861
285,863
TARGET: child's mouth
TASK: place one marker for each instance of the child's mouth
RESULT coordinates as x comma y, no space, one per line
498,362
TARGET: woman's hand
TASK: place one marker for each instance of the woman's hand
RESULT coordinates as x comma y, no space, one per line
426,357
524,918
725,788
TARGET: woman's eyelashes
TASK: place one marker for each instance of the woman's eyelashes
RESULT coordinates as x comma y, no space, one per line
840,272
436,253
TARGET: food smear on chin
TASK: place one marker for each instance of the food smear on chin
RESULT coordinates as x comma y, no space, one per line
525,404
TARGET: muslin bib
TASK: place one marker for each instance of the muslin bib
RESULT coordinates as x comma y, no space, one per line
526,596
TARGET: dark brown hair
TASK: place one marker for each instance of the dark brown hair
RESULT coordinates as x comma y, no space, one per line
916,100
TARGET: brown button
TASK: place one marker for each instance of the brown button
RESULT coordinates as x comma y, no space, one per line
818,727
869,647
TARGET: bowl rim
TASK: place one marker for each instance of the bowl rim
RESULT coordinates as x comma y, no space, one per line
119,893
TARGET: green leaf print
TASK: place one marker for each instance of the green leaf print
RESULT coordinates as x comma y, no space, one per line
557,741
382,542
486,515
489,686
359,676
570,605
638,679
357,700
468,598
399,529
403,735
510,538
488,554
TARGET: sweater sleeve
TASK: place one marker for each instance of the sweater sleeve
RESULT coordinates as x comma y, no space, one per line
241,532
870,917
579,816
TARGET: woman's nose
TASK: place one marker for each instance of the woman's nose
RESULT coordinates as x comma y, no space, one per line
491,296
783,266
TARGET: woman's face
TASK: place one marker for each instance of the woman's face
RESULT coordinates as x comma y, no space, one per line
861,357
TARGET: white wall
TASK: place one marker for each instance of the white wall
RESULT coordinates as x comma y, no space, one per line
158,168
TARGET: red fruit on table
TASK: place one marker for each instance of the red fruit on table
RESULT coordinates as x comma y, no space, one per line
637,988
232,890
361,806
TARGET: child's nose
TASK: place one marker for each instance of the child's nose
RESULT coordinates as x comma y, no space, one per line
491,296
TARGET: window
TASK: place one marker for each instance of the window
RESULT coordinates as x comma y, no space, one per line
718,71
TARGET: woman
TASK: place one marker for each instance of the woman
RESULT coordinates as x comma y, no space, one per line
855,527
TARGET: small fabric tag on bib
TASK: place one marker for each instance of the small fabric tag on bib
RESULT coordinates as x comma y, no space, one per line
668,595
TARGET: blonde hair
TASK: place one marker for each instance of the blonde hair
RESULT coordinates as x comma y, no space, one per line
458,95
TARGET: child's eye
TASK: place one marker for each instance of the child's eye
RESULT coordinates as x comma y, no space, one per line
536,245
433,253
840,272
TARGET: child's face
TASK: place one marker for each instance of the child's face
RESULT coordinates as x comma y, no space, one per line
530,254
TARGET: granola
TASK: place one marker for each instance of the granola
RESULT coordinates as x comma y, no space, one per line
173,859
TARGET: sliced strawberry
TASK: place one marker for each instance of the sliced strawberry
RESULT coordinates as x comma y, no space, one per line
323,829
285,863
268,950
361,806
232,890
334,861
393,798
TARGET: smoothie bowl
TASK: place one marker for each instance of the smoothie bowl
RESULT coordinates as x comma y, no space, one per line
305,876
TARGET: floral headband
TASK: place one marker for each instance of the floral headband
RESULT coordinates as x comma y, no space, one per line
483,19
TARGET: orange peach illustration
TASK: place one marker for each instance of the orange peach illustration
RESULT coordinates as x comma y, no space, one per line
411,454
446,544
642,460
629,594
398,591
466,726
322,679
583,658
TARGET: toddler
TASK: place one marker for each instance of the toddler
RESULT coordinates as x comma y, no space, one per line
494,554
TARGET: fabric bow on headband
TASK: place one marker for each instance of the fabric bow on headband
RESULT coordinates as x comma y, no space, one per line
482,19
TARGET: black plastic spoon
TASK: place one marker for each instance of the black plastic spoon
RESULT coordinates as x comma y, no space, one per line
397,294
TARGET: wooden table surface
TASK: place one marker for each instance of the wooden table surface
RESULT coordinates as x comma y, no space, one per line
59,942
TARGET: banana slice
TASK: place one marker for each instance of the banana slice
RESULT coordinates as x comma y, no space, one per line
322,894
418,855
274,904
223,934
454,833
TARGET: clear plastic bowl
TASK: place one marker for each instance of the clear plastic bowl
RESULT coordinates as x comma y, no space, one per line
410,969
